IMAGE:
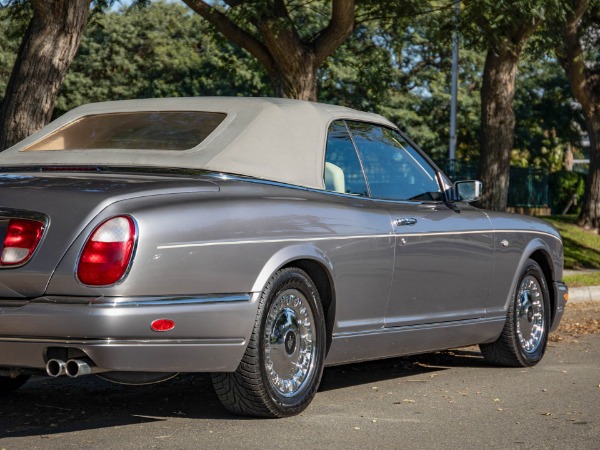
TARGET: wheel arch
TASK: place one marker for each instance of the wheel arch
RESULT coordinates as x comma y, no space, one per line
537,250
317,266
542,257
322,279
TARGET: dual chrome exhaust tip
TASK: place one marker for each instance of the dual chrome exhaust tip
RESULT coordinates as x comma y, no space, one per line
72,368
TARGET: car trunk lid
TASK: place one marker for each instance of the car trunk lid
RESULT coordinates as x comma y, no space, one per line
68,201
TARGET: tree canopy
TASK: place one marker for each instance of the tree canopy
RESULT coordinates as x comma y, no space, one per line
396,61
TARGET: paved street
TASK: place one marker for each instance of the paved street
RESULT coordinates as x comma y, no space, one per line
443,400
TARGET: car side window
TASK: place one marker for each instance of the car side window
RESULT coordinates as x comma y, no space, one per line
394,169
343,171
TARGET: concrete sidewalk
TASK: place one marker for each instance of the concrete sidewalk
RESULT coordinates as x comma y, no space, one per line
585,293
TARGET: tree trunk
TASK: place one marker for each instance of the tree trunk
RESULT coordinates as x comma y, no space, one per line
300,84
295,77
585,85
497,126
45,54
590,207
290,61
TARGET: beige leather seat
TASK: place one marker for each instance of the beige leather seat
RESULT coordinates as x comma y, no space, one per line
334,178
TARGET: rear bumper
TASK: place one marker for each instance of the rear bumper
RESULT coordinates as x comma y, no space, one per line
560,291
210,335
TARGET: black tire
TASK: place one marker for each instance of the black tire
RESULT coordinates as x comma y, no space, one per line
525,335
281,370
8,384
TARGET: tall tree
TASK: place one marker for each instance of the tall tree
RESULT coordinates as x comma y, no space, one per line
579,54
47,49
502,28
160,50
290,54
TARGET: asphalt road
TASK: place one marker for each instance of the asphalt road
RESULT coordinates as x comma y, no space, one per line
443,400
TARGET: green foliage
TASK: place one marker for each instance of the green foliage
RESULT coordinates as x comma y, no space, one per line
360,73
396,63
488,23
13,23
563,186
581,247
161,50
403,73
582,279
547,118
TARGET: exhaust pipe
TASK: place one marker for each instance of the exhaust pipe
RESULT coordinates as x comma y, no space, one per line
56,368
79,367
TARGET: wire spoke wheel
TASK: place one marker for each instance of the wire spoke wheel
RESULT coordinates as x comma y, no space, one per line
288,340
529,308
525,334
281,370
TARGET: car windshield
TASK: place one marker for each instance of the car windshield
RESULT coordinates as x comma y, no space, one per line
171,130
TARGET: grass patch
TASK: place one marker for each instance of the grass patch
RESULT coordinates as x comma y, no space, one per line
582,247
582,279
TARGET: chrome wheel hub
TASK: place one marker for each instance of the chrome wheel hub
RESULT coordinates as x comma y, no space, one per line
289,343
530,314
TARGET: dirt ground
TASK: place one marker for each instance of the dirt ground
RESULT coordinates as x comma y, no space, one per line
580,319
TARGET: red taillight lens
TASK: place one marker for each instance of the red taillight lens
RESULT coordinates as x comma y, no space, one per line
21,239
107,252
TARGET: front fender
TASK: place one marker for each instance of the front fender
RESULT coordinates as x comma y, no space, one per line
533,246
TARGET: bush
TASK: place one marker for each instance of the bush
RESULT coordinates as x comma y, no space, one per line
563,185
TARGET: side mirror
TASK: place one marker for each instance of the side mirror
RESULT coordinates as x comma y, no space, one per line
468,191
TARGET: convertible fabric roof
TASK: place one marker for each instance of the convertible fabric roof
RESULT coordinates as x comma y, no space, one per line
270,138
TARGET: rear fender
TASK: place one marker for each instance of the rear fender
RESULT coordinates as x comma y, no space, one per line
287,255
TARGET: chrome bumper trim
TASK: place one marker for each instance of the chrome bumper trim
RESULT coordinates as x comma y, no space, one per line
104,302
119,302
114,342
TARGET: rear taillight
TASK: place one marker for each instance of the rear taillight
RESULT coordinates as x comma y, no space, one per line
107,252
21,239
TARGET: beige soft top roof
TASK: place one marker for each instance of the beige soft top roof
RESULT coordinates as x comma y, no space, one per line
275,139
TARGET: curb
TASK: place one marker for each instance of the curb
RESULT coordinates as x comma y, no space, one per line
584,294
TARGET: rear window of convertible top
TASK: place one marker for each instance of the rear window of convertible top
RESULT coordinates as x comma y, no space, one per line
166,130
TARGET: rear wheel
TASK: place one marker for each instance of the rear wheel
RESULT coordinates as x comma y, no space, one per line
282,367
9,384
525,334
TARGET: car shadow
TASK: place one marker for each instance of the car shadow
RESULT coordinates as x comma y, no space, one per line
340,377
46,406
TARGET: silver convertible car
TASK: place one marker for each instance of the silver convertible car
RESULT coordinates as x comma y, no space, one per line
256,239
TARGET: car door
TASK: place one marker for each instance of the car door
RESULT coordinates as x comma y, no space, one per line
444,252
363,261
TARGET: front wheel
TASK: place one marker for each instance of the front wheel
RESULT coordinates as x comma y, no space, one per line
9,384
282,367
525,334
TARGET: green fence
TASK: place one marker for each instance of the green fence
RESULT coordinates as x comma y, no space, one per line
528,187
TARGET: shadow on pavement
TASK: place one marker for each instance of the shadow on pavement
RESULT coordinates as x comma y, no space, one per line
374,371
49,407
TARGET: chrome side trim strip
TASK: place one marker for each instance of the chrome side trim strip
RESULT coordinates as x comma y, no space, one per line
96,342
426,326
13,303
169,301
530,231
338,238
271,241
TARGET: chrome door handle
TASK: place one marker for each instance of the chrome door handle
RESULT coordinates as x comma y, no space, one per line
404,221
